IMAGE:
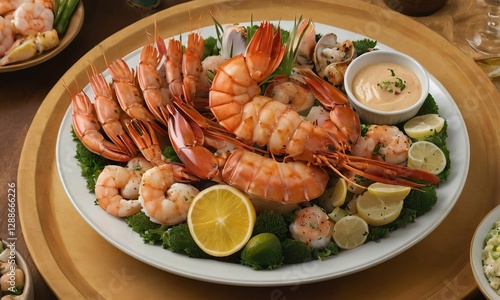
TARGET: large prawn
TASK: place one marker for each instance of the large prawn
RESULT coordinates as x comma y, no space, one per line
109,114
87,128
236,103
153,86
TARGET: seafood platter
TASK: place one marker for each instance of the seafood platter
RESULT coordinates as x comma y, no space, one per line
258,111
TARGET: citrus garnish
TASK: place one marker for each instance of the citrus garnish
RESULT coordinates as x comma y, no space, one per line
337,214
221,220
376,211
389,192
339,193
350,232
423,126
426,156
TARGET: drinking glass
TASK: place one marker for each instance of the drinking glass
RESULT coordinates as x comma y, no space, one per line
483,32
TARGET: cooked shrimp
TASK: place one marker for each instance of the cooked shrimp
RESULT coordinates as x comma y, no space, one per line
191,65
127,91
27,47
139,165
87,129
163,199
291,92
50,4
6,35
109,114
7,6
312,226
32,18
151,82
173,67
383,142
236,103
117,191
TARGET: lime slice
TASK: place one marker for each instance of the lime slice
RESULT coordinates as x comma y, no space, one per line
426,156
423,126
350,232
221,220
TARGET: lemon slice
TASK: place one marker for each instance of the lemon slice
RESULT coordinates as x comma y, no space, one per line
337,214
389,192
426,156
376,211
423,126
221,220
350,232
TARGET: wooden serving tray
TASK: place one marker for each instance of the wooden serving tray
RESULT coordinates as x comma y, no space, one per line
77,263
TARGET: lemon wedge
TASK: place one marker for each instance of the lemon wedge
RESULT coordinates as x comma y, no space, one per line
426,156
389,192
334,195
339,193
350,232
221,220
337,214
423,126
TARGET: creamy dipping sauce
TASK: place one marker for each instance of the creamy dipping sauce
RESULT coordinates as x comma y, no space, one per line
387,87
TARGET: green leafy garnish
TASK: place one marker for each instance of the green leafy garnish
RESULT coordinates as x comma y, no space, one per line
90,163
364,45
389,85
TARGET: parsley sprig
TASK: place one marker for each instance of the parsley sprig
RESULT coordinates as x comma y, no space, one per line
393,86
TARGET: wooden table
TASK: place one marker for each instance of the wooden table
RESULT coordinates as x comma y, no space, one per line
22,92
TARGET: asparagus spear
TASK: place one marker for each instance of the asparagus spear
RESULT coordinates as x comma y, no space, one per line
60,7
69,7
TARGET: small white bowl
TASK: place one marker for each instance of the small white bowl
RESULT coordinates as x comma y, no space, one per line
373,116
28,290
477,246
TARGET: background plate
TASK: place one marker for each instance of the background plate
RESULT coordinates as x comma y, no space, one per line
74,27
61,242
